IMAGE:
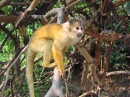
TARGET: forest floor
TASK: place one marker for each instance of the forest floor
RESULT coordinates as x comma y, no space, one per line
117,85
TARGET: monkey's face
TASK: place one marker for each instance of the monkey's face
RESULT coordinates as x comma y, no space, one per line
74,31
78,29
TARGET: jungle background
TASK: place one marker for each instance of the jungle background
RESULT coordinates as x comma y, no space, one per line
106,43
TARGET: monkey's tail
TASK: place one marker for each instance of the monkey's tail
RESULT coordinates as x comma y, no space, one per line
29,70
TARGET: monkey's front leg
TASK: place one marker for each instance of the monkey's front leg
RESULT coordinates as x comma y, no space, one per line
58,58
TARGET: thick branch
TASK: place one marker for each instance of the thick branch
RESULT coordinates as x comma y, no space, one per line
85,53
21,14
27,3
117,72
120,2
7,18
32,6
4,3
56,88
105,36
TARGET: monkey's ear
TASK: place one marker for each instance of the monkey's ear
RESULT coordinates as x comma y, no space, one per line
66,26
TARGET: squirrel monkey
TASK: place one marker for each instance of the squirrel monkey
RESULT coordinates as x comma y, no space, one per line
53,40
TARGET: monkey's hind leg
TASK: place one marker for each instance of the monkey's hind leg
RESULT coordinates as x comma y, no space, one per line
47,56
46,61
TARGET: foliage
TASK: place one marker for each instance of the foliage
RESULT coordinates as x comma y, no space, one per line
118,56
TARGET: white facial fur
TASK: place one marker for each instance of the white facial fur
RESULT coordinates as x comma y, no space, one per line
75,30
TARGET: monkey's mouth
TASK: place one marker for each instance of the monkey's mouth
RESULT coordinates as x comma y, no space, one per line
79,34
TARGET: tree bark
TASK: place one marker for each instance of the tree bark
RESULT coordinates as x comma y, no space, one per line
56,88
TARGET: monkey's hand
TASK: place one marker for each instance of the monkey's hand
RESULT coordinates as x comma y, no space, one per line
62,74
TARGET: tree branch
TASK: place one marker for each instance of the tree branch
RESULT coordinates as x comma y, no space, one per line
4,3
56,88
117,72
7,72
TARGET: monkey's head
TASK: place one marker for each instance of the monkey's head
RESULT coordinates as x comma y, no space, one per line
75,27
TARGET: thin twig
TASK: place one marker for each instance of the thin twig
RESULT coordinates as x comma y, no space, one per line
117,72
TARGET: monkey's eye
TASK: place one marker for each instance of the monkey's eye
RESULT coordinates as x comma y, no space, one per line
81,28
77,28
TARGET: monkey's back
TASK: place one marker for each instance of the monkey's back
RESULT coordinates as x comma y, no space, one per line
48,31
